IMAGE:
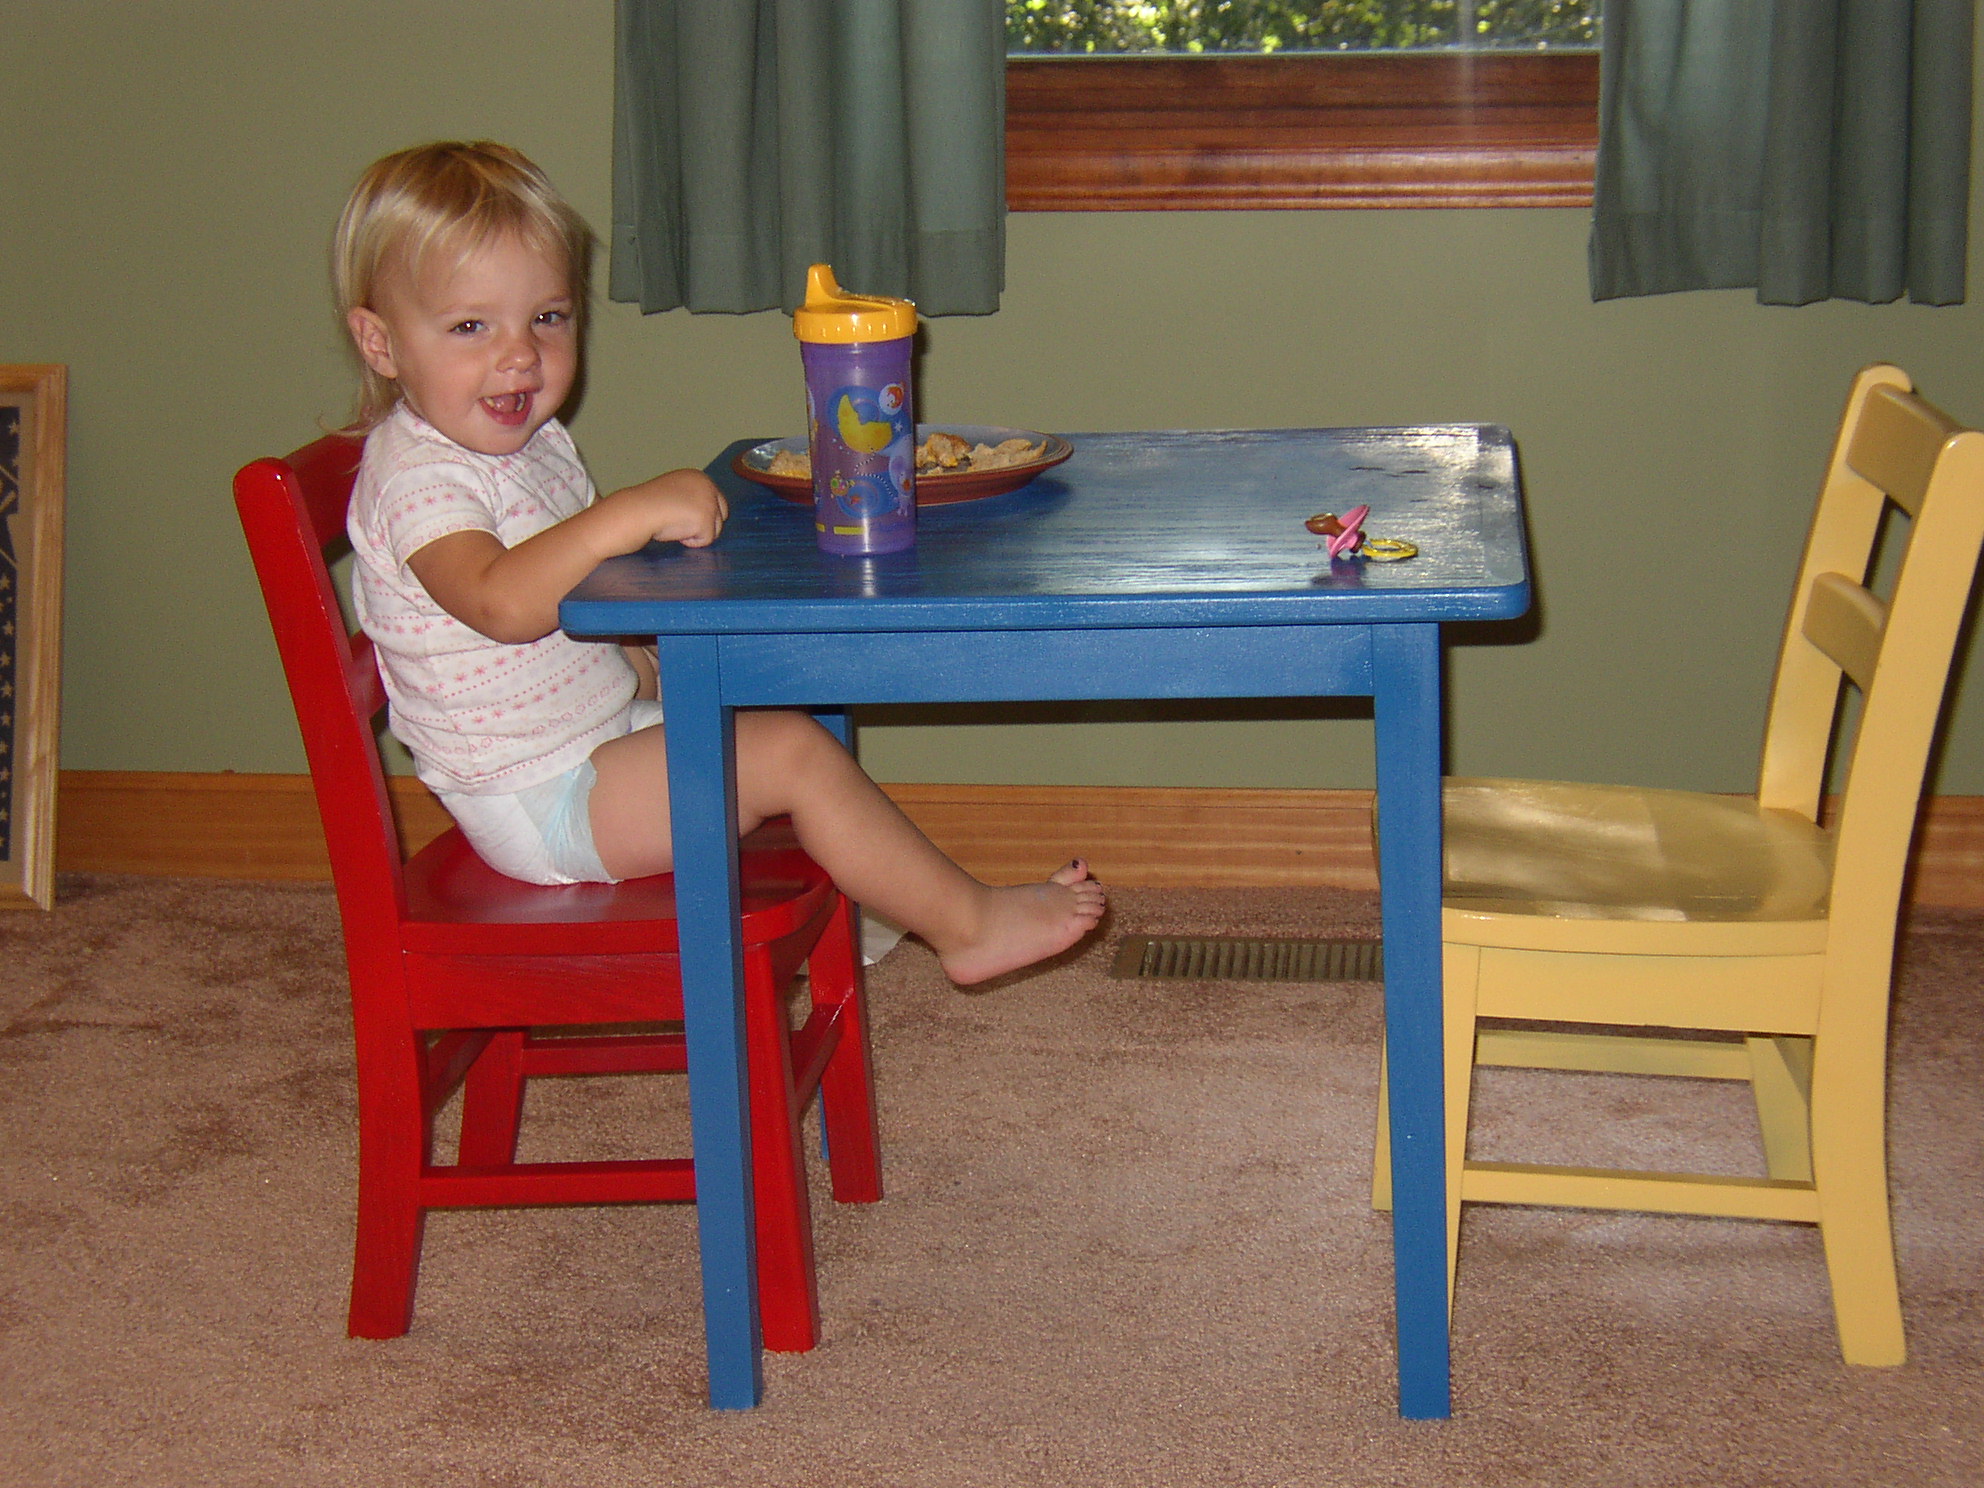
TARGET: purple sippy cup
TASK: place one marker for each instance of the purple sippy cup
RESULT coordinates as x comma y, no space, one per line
860,426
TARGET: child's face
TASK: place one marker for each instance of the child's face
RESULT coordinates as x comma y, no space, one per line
485,351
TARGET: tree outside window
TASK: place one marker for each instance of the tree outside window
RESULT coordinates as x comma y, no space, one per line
1133,27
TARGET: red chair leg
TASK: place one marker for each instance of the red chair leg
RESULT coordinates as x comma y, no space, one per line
847,1094
493,1102
392,1147
788,1296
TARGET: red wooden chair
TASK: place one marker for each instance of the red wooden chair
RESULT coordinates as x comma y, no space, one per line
453,966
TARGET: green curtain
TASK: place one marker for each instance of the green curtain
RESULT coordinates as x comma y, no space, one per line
754,137
1816,149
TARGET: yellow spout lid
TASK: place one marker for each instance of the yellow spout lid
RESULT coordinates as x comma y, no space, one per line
832,314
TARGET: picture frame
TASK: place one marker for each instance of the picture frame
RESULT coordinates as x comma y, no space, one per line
34,406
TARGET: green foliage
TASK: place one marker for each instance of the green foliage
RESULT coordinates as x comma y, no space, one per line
1280,26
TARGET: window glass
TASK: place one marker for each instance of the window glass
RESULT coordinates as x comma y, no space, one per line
1145,27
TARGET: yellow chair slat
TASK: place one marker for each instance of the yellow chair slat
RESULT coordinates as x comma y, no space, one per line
1895,444
1731,994
1846,621
1610,1054
1657,1193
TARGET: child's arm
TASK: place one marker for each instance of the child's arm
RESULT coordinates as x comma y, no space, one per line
511,594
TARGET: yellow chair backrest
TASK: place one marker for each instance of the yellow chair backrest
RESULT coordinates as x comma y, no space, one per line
1893,447
1887,449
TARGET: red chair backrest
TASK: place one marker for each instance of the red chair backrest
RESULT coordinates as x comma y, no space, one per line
293,513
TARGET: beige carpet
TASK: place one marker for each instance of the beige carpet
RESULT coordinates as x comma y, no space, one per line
1127,1241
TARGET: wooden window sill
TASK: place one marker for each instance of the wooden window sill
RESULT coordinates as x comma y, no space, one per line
1441,129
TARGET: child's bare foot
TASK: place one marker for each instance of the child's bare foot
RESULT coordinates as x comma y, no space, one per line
1026,923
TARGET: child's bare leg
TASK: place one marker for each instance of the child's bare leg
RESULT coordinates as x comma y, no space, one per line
788,765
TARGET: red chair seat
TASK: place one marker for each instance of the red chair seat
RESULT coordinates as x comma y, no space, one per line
457,902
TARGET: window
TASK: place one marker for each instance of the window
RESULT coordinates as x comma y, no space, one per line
1195,104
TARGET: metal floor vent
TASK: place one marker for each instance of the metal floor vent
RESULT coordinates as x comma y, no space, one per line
1238,958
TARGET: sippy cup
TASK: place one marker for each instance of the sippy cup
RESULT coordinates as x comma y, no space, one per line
860,429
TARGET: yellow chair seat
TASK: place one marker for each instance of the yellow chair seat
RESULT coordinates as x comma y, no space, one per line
1631,870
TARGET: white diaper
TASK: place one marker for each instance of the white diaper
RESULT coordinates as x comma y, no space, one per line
542,835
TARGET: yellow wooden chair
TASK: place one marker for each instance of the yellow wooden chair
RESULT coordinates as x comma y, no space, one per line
1622,906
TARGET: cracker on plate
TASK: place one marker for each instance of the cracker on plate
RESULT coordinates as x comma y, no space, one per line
1006,454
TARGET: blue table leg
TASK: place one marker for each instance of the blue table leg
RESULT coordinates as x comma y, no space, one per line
840,723
1406,667
703,809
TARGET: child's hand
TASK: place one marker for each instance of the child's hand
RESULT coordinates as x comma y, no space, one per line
682,506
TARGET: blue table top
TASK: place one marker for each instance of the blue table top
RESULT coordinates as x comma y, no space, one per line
1136,529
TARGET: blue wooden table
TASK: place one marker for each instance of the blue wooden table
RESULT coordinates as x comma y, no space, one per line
1152,565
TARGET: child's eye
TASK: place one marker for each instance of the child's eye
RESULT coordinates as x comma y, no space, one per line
553,317
466,327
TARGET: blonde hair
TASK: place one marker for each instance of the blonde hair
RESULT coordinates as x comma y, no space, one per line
450,196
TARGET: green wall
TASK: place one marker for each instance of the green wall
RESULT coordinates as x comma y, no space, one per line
169,174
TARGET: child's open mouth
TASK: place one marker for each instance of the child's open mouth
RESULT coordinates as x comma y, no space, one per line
509,408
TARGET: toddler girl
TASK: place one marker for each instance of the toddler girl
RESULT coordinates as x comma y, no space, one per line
462,275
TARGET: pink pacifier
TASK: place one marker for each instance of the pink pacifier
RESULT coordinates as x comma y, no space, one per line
1347,541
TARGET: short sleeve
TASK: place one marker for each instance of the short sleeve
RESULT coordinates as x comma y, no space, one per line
428,502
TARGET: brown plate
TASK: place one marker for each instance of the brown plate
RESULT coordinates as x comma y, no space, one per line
931,490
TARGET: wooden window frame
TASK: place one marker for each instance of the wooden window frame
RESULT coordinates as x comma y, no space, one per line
1386,129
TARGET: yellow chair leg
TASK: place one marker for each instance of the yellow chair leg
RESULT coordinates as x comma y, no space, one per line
1781,1082
1849,1139
1462,980
1866,1298
1463,968
1381,1158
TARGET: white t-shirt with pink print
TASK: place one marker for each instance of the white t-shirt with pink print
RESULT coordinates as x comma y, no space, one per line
480,717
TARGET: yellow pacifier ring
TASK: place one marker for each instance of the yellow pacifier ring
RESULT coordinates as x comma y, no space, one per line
1388,549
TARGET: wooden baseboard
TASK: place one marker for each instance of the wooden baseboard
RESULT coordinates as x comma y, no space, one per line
1152,837
1946,868
265,826
180,823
